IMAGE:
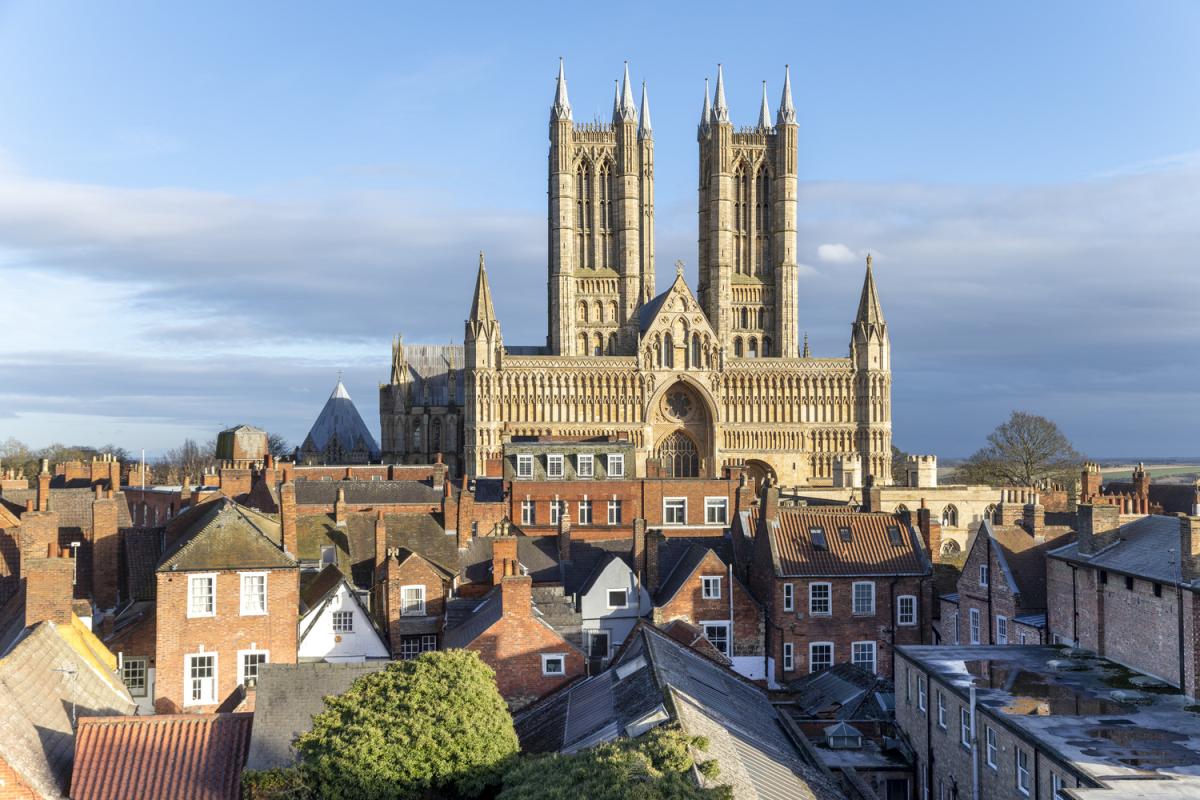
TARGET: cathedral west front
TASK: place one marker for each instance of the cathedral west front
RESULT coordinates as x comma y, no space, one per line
694,380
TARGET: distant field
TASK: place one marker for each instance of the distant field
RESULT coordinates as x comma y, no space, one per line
1125,471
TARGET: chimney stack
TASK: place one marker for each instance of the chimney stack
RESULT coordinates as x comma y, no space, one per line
339,507
639,548
516,596
931,532
43,486
106,549
1189,547
1034,517
464,510
654,540
287,518
770,501
504,558
564,538
49,590
1096,526
872,496
380,544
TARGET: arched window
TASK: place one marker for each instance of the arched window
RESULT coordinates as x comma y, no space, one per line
416,436
435,434
950,548
989,513
745,317
583,315
668,352
678,456
583,344
762,318
606,249
598,345
950,517
766,350
612,344
612,311
583,216
741,221
737,347
695,351
762,223
753,347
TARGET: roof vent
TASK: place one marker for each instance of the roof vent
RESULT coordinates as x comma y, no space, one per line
1129,696
1066,665
843,737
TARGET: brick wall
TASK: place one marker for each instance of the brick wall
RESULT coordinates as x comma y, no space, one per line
225,633
689,605
106,551
413,571
48,588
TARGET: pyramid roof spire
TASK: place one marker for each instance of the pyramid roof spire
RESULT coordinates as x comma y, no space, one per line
645,131
481,304
562,106
340,420
628,109
764,114
869,309
720,110
787,111
705,110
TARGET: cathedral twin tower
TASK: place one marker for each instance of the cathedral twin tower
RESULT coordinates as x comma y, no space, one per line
696,381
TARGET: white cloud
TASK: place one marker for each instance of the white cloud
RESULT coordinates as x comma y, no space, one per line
836,254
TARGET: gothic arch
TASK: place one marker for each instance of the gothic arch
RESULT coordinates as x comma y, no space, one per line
678,455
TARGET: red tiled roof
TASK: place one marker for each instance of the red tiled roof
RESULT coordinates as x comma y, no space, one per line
870,550
184,756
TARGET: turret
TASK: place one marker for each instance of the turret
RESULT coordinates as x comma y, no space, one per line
870,346
870,351
481,349
482,341
646,178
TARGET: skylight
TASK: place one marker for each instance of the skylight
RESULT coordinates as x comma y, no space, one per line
817,533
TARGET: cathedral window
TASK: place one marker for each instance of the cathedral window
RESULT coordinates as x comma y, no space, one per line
612,311
606,250
752,346
668,352
435,434
583,314
737,347
612,344
695,362
583,202
762,223
762,318
416,435
598,348
583,341
766,348
741,222
745,317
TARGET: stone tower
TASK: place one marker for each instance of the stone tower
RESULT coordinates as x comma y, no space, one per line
601,254
747,242
481,355
871,355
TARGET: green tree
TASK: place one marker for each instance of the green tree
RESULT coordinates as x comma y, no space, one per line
430,727
654,766
1024,451
899,466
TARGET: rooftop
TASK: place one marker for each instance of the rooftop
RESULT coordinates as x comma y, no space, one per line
1086,710
1141,549
807,542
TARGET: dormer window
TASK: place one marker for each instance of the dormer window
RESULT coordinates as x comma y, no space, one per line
584,465
554,466
817,534
524,466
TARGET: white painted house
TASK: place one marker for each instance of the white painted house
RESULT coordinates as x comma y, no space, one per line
611,601
334,624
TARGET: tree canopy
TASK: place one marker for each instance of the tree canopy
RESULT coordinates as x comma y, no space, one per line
1024,451
654,766
433,726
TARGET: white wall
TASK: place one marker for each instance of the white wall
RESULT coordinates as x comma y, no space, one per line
321,642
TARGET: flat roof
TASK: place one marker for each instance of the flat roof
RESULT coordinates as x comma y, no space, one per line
1109,722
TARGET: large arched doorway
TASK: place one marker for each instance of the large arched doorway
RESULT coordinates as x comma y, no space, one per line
678,455
759,471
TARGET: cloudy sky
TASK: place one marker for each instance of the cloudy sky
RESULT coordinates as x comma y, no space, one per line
209,210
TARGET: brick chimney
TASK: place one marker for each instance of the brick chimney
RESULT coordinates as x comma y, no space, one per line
49,589
268,470
465,514
1033,517
872,496
339,507
1096,526
1090,482
39,530
185,491
931,532
43,486
114,474
1011,510
638,552
516,596
744,498
654,540
504,558
564,538
1189,547
770,508
439,472
287,518
106,549
380,544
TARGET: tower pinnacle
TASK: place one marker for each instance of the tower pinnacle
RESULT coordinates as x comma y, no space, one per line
764,114
787,111
720,110
628,109
562,106
616,117
705,111
869,310
481,305
645,130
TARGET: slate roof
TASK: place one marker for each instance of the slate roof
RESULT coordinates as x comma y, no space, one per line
588,560
142,549
73,506
869,552
198,756
36,736
678,558
419,533
656,679
649,310
1140,550
286,699
538,555
226,535
481,615
429,370
321,586
846,692
366,492
340,418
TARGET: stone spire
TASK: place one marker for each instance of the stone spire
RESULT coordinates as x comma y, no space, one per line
705,111
764,114
869,310
645,131
720,110
628,109
399,363
481,305
787,111
562,106
616,102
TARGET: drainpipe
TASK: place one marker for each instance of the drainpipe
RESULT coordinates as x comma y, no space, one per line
731,625
991,578
1179,606
1074,608
974,751
1037,787
891,628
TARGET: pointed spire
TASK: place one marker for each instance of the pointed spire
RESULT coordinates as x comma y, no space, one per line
705,110
628,109
562,106
720,110
616,117
869,310
481,305
339,391
399,364
806,353
645,130
787,111
764,114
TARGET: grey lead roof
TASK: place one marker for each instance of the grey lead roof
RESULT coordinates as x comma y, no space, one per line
1141,549
340,418
359,492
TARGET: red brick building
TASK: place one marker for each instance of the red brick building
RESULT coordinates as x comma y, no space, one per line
836,586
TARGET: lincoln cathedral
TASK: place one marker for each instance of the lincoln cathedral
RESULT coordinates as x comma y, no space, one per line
694,380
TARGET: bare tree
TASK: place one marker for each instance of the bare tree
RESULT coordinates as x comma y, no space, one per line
1024,451
188,460
278,446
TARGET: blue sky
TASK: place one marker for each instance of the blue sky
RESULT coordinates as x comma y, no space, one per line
207,210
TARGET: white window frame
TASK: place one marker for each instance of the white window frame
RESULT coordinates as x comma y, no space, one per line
614,512
719,623
624,598
555,468
716,503
524,465
584,510
616,465
964,727
911,616
242,576
865,646
973,625
212,578
922,693
413,646
789,657
870,612
812,600
581,460
241,665
984,574
674,503
404,611
941,709
562,660
528,511
991,747
334,617
1056,786
1022,786
557,507
707,582
812,662
144,664
789,597
208,699
1001,629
